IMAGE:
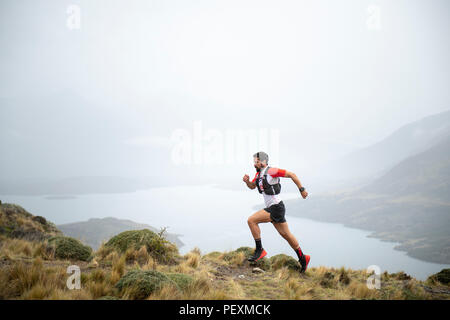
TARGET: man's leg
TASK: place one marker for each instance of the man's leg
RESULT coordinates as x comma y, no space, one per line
253,221
258,217
283,230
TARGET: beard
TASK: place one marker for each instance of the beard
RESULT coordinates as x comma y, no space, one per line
257,169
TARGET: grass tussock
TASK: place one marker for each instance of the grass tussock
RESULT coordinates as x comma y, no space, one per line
193,258
69,248
139,245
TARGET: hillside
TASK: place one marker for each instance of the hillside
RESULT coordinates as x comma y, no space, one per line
424,174
409,204
420,226
141,264
94,231
402,194
16,222
374,160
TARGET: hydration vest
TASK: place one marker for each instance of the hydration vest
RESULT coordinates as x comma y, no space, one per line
268,188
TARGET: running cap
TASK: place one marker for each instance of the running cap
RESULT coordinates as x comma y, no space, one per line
262,156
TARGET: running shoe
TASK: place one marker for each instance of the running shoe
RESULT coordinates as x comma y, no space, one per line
258,254
304,261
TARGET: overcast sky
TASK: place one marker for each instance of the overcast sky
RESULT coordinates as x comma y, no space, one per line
328,76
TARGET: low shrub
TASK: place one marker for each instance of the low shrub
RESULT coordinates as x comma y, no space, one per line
69,248
159,248
139,284
283,260
181,279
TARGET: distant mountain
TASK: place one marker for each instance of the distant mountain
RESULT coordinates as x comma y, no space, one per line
399,190
424,174
374,161
420,225
94,231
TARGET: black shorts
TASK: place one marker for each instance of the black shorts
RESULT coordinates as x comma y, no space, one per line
277,212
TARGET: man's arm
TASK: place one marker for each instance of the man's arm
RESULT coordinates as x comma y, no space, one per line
250,184
294,178
275,172
297,182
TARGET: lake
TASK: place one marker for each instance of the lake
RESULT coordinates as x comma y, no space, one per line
215,219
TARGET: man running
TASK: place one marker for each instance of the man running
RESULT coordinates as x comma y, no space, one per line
267,182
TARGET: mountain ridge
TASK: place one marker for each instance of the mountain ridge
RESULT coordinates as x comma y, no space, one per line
409,203
372,161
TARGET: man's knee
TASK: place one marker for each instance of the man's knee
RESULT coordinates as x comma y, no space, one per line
250,220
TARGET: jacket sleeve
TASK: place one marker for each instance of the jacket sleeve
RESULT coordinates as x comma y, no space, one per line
276,172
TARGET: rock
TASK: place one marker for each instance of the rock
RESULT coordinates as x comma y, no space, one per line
241,276
258,270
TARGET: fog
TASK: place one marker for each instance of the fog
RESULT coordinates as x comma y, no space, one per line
102,88
152,110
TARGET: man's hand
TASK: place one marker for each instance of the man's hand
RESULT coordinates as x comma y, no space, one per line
304,194
250,185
